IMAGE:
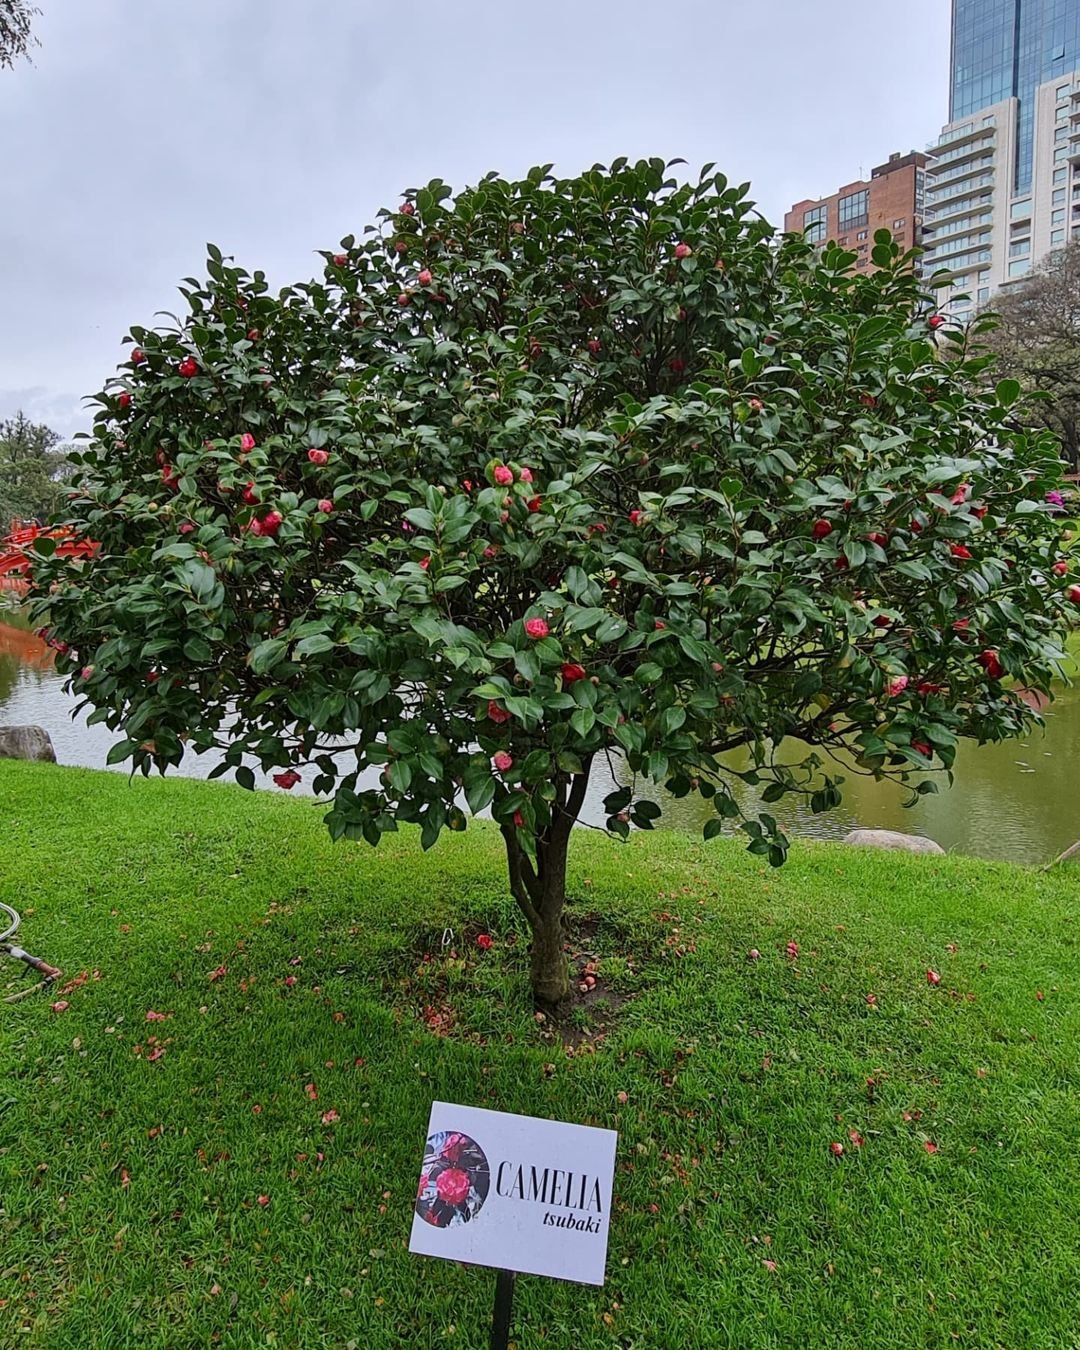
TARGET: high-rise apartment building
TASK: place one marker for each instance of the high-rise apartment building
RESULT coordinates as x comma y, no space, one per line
892,198
1003,182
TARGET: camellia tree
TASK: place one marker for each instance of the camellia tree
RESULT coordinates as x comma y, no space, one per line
555,472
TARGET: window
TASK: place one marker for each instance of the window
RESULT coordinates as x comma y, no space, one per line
855,209
899,224
1021,268
1020,250
815,223
984,294
1060,175
1059,196
861,234
1057,217
1062,152
1061,134
1062,91
1057,236
1020,210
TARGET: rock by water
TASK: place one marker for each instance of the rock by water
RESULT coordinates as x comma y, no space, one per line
26,743
912,843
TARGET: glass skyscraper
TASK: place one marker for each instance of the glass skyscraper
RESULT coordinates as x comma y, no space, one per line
1007,48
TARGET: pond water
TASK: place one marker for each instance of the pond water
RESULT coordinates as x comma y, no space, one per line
1019,801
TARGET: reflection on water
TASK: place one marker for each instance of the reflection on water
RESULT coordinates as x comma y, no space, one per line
1017,801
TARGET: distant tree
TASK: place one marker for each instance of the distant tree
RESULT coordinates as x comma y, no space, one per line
15,36
1037,342
32,471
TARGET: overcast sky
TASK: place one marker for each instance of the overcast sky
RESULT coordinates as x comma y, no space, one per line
273,127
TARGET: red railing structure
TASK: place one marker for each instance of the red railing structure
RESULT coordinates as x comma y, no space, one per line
15,561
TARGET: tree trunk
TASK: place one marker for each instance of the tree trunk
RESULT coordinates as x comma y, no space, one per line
547,964
540,890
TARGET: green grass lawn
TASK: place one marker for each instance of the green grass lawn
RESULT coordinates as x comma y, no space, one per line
130,1181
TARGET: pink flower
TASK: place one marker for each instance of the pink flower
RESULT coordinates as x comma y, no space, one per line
503,761
318,456
268,525
930,1146
312,1092
330,1117
896,686
424,277
247,441
62,1006
793,950
185,527
536,628
525,475
452,1185
497,714
636,517
153,1016
659,625
287,780
836,1148
503,475
325,505
290,980
425,563
264,1200
753,954
683,250
484,942
933,978
453,1148
770,1266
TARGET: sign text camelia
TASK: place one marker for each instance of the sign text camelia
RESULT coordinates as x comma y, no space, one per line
515,1192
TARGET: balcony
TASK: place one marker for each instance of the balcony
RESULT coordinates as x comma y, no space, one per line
940,163
958,134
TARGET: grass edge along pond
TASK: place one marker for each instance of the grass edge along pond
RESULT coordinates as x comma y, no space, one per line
239,1168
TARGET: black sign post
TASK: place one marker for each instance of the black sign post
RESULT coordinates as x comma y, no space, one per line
500,1317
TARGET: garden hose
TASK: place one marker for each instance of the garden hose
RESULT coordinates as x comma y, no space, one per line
49,973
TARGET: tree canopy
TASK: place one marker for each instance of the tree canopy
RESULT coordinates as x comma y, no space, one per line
1037,342
32,470
556,472
16,37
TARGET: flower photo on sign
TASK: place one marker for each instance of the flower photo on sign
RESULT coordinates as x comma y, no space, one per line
454,1180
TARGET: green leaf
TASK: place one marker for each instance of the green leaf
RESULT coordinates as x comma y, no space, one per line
267,654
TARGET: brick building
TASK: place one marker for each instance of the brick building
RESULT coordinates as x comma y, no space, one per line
891,199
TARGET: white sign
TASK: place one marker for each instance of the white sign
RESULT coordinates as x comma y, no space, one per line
515,1192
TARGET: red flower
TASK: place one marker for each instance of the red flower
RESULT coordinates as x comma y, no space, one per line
1073,594
896,686
325,505
138,356
1061,568
961,625
424,278
595,346
318,456
880,539
979,511
962,493
923,749
185,527
453,1185
340,259
483,941
935,320
916,525
535,503
926,688
124,400
264,1200
933,978
188,367
991,663
287,780
930,1146
247,441
253,335
454,1147
503,761
868,400
330,1117
403,299
425,563
496,713
677,364
636,517
836,1148
959,551
571,671
268,525
821,529
793,950
408,209
659,625
503,475
683,250
536,628
248,495
152,676
519,820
